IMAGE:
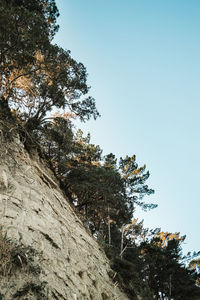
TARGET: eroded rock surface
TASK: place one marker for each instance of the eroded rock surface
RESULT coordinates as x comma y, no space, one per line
35,213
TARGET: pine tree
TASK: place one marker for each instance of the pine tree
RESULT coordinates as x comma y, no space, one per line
134,179
35,75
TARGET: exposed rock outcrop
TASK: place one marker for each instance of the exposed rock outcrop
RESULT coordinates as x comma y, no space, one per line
68,262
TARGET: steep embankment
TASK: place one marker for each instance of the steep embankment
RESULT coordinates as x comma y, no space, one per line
68,262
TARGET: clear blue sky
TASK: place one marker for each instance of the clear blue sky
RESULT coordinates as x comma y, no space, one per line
143,61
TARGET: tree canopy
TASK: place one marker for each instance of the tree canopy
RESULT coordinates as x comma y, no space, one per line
36,75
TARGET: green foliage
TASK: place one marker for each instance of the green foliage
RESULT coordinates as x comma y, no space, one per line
166,274
134,178
96,184
26,27
56,139
37,76
195,262
152,264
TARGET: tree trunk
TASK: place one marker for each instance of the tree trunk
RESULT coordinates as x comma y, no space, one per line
122,243
5,109
109,234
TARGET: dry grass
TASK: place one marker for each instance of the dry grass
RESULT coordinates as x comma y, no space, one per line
6,249
16,256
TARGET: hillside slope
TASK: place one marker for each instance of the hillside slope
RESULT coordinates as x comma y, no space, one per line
59,258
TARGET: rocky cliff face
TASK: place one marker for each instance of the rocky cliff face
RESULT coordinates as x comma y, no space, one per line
58,258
